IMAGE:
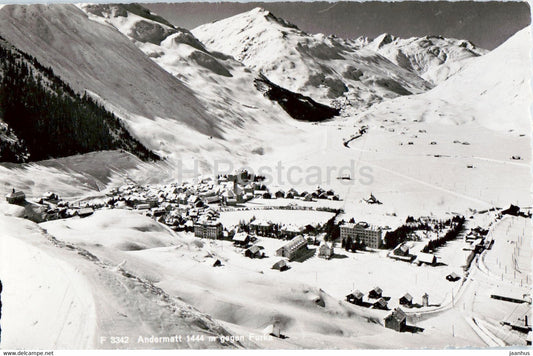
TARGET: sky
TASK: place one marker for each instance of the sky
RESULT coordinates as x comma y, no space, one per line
486,24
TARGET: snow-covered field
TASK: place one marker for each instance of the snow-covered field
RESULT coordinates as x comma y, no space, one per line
286,217
511,257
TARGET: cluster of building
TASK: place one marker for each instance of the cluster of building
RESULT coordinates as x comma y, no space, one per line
295,249
402,253
378,301
196,208
48,207
476,237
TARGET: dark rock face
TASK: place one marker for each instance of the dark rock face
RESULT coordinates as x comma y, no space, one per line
208,62
145,31
298,106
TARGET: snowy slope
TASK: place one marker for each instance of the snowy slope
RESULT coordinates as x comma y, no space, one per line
207,108
68,298
324,68
493,90
251,125
96,58
449,149
434,58
224,85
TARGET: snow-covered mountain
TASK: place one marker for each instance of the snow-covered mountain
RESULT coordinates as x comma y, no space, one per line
221,95
177,98
223,84
492,90
179,94
434,58
250,123
96,58
324,68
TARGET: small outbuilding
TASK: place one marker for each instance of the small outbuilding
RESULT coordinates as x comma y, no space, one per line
403,250
355,297
254,252
375,293
397,320
241,239
425,300
50,196
511,210
380,304
325,251
273,329
281,265
452,277
407,299
427,258
217,263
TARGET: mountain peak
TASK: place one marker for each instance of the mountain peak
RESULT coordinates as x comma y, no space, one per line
314,65
259,11
257,16
384,39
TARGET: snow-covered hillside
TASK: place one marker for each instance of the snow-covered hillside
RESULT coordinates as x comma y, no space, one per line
434,58
493,91
251,124
208,108
96,58
224,85
324,68
70,298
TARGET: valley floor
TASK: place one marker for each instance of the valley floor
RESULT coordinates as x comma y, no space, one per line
168,285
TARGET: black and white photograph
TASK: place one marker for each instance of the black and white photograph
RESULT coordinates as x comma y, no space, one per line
265,176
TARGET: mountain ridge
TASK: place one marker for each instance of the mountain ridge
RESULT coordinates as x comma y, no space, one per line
433,57
324,68
471,94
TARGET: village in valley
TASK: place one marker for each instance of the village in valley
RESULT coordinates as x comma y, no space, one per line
400,275
237,176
